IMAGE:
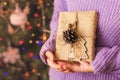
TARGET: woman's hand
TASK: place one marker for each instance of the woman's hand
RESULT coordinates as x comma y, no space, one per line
52,63
83,66
67,67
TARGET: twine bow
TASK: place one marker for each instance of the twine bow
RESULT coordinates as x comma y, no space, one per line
77,42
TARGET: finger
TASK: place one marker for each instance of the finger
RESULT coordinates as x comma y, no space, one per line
73,67
53,64
50,55
84,62
63,64
68,71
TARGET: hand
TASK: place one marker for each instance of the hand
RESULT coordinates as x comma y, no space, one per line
52,63
83,66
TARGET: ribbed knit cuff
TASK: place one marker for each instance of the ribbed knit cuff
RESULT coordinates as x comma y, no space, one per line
103,59
49,45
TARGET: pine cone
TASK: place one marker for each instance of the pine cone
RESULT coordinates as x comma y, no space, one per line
70,36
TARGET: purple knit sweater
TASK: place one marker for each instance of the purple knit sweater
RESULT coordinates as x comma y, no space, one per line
107,58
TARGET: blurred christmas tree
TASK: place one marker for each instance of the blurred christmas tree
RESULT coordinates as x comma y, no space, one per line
24,26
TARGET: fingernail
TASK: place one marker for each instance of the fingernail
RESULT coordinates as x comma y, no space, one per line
64,67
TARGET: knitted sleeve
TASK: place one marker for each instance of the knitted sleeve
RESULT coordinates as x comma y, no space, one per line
59,5
107,59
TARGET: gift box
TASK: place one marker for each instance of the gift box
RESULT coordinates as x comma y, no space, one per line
76,35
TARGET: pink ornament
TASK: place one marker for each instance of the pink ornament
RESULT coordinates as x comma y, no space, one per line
11,55
19,17
21,42
36,15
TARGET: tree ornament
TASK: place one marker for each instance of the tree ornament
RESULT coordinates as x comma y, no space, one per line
30,27
31,54
26,74
36,15
19,17
11,55
21,42
38,25
40,2
5,74
33,70
70,36
1,39
44,37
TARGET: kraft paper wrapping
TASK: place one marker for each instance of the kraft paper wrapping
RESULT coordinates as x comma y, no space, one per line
84,48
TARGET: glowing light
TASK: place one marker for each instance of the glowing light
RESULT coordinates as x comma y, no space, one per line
39,42
38,74
31,54
1,39
21,42
28,23
23,48
33,34
48,4
36,57
30,27
19,69
6,11
5,73
26,74
30,41
43,17
33,70
38,7
41,2
5,3
44,37
38,25
36,15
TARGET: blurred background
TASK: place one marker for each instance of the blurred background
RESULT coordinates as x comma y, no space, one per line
24,27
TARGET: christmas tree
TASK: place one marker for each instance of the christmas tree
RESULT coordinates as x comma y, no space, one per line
24,27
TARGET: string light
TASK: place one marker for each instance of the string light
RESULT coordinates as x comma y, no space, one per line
1,39
36,57
38,24
39,42
33,70
23,48
48,4
6,11
21,42
36,15
5,73
26,74
30,41
28,23
38,7
44,37
30,27
41,2
5,3
19,69
43,17
31,54
33,34
38,74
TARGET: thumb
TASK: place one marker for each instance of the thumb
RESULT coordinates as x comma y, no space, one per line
84,62
50,55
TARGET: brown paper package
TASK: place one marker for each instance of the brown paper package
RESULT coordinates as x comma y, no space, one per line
84,49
